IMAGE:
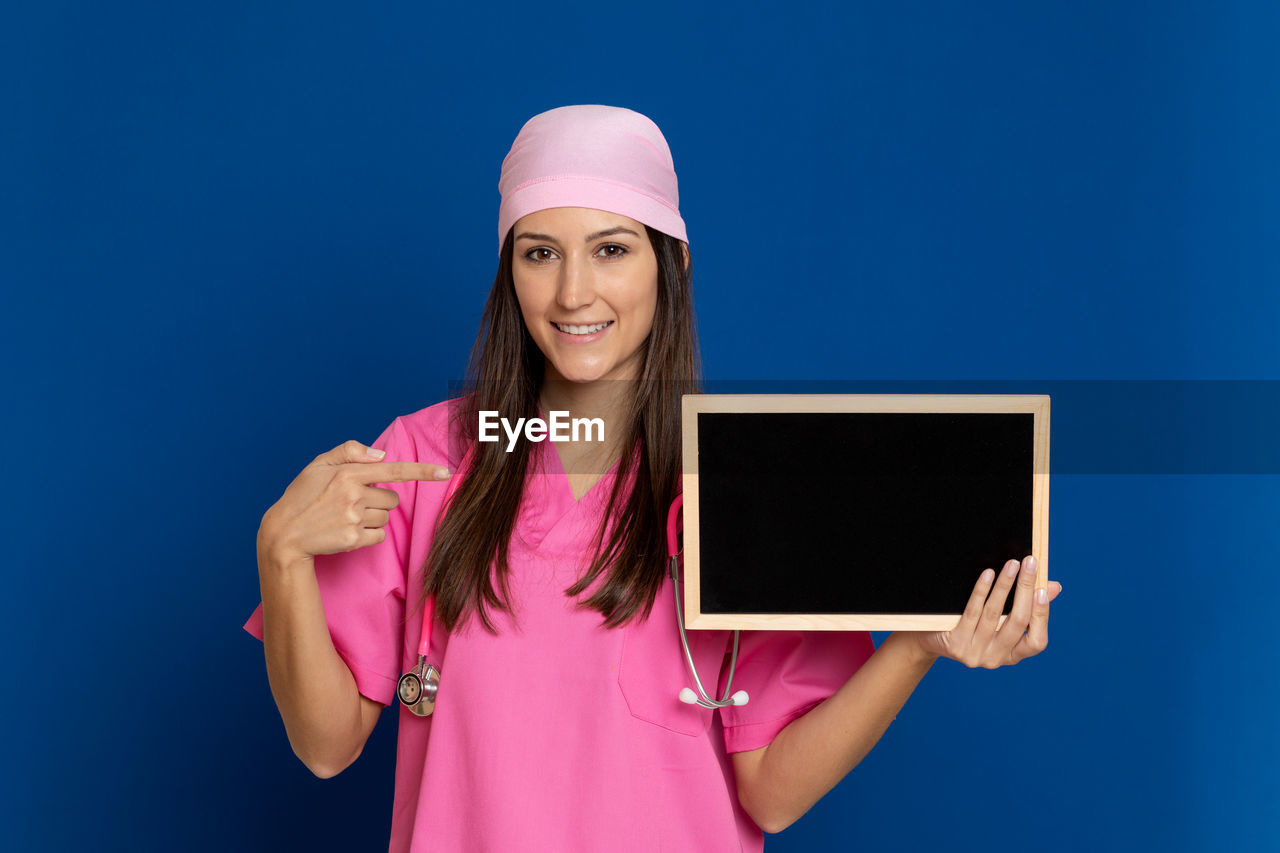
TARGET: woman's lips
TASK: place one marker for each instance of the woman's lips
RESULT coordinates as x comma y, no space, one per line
582,339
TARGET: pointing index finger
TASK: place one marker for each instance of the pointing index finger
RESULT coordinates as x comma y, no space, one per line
398,472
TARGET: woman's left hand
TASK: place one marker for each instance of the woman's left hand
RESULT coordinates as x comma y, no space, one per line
975,641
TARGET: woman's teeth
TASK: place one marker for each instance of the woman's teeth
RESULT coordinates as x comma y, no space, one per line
582,330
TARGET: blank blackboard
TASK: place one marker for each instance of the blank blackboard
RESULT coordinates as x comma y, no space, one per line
857,511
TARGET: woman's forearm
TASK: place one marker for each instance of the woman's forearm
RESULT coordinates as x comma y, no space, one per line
814,752
313,687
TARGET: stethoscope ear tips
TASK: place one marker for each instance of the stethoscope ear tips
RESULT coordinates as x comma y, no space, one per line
688,697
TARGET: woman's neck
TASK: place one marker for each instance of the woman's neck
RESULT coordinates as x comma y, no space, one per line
607,400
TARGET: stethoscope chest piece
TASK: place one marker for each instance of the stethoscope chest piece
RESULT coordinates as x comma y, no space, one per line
417,688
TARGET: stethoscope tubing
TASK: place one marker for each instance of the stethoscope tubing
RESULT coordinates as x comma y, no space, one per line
674,516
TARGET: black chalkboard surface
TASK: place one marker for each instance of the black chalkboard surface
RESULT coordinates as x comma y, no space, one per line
857,511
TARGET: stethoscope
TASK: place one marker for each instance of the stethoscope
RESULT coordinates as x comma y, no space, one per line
418,687
687,696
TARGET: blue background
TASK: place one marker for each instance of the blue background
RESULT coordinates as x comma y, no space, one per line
234,235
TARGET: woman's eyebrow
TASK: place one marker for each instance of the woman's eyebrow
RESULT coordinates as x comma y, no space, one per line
621,229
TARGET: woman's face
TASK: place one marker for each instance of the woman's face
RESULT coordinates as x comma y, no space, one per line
587,283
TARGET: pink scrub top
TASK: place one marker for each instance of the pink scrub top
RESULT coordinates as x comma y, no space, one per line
557,734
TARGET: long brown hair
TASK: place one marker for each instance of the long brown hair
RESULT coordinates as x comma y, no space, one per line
505,374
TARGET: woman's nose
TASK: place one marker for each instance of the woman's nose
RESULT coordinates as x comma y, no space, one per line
576,287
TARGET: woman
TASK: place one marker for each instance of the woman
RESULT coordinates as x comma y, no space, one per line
557,724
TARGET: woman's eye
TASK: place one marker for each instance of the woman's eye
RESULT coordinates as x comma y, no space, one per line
542,254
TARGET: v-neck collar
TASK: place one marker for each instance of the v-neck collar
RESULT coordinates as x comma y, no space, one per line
549,509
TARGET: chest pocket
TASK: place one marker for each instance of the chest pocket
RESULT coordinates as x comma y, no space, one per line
652,670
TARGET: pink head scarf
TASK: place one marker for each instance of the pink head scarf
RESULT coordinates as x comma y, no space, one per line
606,158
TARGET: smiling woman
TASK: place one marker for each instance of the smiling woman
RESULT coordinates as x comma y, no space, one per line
557,723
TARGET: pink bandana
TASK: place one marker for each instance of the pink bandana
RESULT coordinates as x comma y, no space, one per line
606,158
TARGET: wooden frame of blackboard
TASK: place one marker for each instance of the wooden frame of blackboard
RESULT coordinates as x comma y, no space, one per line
1035,405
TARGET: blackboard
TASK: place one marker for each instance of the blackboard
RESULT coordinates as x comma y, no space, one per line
857,511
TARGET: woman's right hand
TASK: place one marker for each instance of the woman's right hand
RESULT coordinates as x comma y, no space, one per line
332,506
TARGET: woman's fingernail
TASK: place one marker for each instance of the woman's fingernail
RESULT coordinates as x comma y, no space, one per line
442,473
1042,596
374,453
988,576
1029,566
1011,568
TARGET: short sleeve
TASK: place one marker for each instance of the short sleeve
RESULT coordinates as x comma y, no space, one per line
785,674
363,591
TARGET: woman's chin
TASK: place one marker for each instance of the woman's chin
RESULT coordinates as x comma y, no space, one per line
586,374
577,374
581,378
